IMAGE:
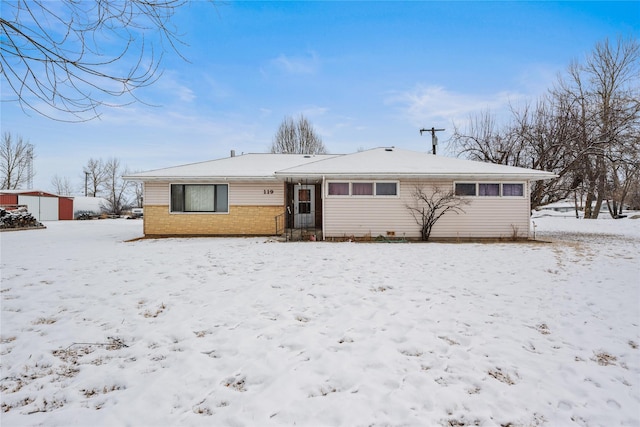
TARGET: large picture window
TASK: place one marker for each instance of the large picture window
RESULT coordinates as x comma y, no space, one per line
199,198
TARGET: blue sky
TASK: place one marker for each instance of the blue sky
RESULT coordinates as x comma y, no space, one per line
366,74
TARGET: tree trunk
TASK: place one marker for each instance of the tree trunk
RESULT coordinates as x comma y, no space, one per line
601,187
588,203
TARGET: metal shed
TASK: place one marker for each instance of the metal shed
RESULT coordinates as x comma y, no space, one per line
42,205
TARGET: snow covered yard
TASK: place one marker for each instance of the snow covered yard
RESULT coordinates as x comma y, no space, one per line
249,332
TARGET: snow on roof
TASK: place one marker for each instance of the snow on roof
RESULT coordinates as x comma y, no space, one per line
247,166
390,163
396,163
34,192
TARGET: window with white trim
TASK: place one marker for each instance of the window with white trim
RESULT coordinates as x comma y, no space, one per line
338,188
465,189
489,189
513,190
363,189
386,188
199,198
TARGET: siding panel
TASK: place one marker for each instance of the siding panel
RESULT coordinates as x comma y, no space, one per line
256,194
483,217
156,193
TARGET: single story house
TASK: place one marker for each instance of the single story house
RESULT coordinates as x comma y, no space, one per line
353,195
42,205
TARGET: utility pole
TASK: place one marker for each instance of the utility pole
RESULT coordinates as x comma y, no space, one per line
434,138
86,179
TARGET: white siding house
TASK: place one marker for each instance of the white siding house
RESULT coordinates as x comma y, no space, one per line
365,194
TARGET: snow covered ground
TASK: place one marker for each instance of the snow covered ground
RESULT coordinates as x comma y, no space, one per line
97,331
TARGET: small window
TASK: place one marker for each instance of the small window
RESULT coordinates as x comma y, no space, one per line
362,188
222,198
465,189
488,190
338,188
386,189
199,198
512,190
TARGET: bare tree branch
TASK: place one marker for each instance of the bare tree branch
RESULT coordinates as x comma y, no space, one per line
428,208
66,59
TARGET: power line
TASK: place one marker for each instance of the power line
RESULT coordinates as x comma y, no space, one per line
434,138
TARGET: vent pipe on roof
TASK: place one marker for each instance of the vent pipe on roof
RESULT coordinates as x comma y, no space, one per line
233,153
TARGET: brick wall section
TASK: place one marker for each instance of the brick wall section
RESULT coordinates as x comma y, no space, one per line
241,220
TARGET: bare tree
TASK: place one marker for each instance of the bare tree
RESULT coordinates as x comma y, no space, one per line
61,185
605,96
543,131
633,195
429,207
137,188
16,162
529,140
297,137
116,189
483,140
586,131
72,57
95,177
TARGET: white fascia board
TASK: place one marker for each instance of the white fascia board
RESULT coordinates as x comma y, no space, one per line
201,178
447,176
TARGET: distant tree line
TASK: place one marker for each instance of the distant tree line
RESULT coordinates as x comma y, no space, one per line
102,178
16,162
586,129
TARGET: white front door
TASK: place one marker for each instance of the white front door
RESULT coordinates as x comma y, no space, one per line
304,206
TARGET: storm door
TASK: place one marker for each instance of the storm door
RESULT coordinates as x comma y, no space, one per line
304,206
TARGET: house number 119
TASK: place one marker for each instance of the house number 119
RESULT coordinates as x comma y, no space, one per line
268,191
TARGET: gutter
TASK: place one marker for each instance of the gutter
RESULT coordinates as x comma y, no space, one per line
200,178
435,176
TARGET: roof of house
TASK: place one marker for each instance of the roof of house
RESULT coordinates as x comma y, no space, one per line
378,163
394,163
257,166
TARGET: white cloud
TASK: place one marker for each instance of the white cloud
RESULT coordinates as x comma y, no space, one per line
172,89
424,105
265,112
304,64
314,111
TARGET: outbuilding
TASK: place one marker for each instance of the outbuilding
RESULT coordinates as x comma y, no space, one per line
42,205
